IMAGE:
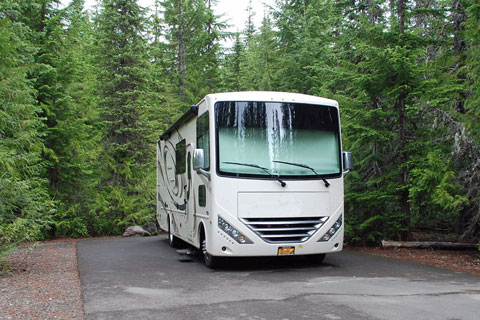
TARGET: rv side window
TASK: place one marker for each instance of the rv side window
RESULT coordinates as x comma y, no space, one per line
180,161
202,195
203,141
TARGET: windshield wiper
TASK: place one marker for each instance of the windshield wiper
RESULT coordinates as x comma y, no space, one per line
327,184
261,168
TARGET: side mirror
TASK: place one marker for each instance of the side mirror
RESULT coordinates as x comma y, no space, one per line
198,159
199,162
347,162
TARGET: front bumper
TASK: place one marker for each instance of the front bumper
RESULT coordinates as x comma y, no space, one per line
222,244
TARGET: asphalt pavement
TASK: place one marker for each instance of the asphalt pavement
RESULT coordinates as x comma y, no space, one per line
144,278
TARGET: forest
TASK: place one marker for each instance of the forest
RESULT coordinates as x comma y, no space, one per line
85,95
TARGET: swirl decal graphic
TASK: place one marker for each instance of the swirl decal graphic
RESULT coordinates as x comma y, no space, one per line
175,184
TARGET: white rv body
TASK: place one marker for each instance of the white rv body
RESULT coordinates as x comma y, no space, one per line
224,208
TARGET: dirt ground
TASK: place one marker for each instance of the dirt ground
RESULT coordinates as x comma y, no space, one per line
41,281
460,261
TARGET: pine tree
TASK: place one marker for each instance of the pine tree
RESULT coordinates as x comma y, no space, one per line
63,78
361,82
123,72
45,20
161,84
291,19
249,25
472,66
466,132
203,55
381,68
306,41
25,206
77,144
193,35
233,65
261,59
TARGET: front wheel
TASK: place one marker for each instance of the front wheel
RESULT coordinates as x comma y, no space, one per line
316,258
210,261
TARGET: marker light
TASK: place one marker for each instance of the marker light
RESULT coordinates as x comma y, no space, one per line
332,230
232,232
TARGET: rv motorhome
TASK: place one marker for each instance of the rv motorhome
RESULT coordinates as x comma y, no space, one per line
254,174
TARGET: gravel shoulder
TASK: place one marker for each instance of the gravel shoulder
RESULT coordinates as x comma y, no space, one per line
43,281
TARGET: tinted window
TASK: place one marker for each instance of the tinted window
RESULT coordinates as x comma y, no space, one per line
202,196
180,160
203,141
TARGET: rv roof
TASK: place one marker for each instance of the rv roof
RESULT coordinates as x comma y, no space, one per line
249,96
270,96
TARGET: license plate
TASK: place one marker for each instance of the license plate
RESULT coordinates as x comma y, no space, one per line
286,251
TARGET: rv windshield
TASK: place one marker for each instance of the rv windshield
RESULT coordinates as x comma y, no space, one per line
286,139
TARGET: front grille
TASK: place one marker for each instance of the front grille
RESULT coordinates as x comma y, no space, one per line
281,230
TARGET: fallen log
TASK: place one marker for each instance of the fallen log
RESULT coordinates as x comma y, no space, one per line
429,245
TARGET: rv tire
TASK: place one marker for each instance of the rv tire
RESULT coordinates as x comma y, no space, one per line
210,261
173,241
316,258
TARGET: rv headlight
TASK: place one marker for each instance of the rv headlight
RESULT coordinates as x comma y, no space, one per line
232,232
333,229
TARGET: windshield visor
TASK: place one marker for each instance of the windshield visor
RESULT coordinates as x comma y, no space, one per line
259,133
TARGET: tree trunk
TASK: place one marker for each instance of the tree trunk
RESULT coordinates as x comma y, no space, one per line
459,47
402,133
181,52
401,15
182,66
403,178
429,245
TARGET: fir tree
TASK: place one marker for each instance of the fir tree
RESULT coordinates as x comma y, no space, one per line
233,67
77,146
123,85
193,34
25,206
261,59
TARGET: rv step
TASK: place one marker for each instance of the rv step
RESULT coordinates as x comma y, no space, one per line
186,252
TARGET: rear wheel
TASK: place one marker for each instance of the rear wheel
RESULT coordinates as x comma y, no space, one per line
172,240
